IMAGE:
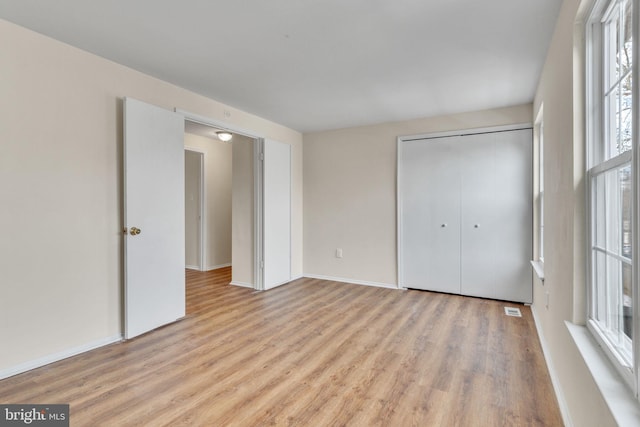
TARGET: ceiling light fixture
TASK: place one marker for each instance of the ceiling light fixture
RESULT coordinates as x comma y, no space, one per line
224,136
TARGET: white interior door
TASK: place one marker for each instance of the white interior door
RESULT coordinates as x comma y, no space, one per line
276,214
153,217
430,215
497,215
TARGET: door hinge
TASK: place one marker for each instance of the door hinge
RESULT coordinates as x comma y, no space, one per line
262,157
261,264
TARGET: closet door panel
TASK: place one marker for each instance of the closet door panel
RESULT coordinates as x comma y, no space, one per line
496,218
478,219
430,209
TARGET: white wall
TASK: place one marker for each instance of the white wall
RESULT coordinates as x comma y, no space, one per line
350,193
192,183
561,91
61,191
243,209
217,223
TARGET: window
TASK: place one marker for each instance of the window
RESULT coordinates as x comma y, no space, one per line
610,176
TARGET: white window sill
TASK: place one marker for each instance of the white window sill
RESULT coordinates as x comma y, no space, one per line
538,267
619,398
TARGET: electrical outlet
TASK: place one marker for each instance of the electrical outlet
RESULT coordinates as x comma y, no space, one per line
546,300
338,252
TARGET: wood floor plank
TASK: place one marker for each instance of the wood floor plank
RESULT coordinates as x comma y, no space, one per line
314,353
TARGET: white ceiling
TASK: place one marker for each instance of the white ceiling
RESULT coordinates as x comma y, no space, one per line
316,65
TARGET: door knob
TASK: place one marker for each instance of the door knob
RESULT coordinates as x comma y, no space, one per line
443,225
476,226
135,231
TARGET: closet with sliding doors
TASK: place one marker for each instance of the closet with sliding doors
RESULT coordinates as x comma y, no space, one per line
465,213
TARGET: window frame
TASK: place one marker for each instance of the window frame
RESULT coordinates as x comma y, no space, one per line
596,125
539,126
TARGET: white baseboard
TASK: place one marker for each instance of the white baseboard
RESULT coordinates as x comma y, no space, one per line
209,268
352,281
215,267
33,364
241,284
555,381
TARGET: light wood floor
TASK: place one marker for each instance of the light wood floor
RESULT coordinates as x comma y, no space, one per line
311,353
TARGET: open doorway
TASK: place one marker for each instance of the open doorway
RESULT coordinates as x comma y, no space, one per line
261,205
207,198
225,234
154,196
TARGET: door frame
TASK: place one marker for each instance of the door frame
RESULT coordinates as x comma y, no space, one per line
258,185
399,169
202,226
